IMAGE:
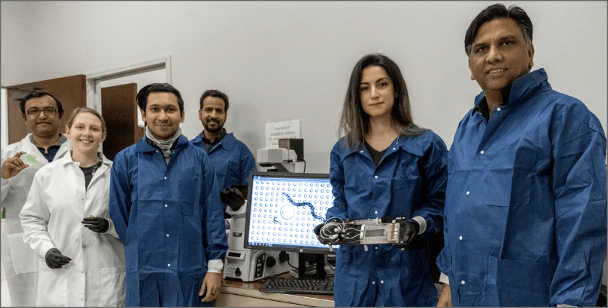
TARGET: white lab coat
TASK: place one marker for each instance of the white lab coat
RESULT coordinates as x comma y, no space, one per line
51,218
20,262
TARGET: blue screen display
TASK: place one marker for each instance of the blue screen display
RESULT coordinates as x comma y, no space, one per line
284,210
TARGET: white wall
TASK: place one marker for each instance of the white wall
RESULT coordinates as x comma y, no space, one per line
16,31
292,60
4,112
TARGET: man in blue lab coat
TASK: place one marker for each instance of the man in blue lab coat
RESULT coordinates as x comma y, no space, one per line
231,159
525,210
165,204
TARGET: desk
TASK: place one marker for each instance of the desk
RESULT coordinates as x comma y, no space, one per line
246,294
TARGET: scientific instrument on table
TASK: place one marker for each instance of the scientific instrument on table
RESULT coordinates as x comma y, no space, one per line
288,157
282,212
243,263
398,230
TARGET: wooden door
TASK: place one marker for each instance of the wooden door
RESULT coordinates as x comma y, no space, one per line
70,91
119,111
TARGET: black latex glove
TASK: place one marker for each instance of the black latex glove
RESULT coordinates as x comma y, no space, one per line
408,233
232,197
54,258
97,224
330,235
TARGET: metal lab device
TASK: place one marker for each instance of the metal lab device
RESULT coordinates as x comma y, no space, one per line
366,231
247,264
278,160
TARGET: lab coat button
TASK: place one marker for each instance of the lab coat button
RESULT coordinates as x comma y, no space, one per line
165,178
498,109
169,264
361,151
462,282
482,152
381,281
376,176
467,192
376,212
394,149
165,205
461,237
376,247
167,235
373,282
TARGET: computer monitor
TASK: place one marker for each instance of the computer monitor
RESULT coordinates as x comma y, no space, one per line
283,210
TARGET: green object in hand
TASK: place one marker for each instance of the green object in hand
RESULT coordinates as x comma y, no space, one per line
30,159
91,215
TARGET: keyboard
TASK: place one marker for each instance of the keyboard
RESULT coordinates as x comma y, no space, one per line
295,285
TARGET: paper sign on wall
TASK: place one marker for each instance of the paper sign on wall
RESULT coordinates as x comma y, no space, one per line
281,130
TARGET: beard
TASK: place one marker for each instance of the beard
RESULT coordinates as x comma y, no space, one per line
217,129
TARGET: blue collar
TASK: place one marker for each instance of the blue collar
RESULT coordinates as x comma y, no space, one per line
217,139
227,142
523,88
406,143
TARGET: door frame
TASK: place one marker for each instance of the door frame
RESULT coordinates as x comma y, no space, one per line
94,79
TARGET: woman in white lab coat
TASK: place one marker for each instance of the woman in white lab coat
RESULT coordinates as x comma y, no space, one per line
66,222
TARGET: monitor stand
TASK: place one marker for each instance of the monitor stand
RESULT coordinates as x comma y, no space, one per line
317,259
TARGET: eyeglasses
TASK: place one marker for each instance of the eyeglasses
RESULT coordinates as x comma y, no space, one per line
36,111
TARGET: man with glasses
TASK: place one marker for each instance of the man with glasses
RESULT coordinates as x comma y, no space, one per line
42,114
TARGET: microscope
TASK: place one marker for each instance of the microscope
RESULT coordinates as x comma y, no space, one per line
242,263
288,157
253,264
278,160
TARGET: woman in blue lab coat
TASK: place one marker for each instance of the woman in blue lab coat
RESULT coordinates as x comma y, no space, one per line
385,166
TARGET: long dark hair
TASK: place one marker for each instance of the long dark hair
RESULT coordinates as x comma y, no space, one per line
354,122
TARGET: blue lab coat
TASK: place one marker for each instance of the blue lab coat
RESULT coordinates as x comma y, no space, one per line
409,181
525,214
231,160
170,220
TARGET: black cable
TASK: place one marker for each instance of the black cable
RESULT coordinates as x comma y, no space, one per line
284,256
304,171
290,264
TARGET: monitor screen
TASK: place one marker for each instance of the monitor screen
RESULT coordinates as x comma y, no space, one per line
283,210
